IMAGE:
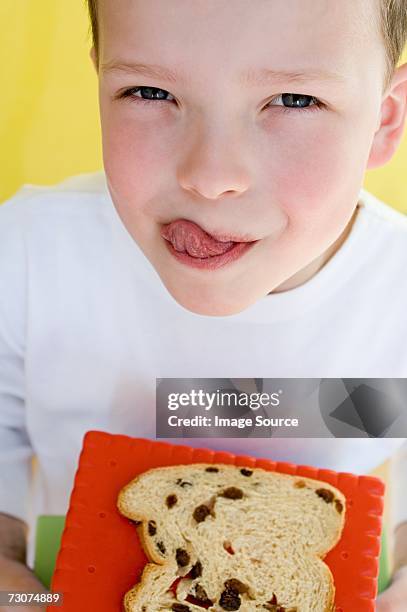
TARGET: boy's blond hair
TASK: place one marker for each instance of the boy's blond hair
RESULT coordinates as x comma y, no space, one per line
393,28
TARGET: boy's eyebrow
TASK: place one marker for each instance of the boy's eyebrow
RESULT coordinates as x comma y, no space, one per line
250,77
266,75
152,70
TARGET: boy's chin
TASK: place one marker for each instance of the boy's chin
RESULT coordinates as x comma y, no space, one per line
209,303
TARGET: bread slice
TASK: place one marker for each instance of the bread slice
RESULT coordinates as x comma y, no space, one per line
224,537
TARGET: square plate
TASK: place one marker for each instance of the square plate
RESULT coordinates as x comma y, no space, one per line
101,557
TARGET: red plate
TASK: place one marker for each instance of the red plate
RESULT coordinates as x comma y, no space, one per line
101,558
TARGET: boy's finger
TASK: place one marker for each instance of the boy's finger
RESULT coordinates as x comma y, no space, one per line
394,599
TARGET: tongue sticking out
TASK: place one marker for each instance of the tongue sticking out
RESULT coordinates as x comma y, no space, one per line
187,236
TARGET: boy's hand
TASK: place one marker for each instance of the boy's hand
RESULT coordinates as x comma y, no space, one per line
14,573
395,598
15,576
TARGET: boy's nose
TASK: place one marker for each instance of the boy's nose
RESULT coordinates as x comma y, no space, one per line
214,167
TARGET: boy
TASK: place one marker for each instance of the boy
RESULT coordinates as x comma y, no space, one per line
235,140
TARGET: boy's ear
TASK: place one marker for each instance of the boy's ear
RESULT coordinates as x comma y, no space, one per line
391,121
93,58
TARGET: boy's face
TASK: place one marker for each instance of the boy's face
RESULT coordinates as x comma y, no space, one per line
237,156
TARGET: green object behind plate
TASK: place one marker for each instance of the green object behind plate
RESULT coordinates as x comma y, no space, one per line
48,540
47,543
384,574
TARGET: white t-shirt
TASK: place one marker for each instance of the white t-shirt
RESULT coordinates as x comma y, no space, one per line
86,327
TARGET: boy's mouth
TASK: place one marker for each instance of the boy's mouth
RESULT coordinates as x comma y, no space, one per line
187,236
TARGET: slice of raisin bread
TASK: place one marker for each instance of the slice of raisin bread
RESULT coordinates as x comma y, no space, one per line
222,537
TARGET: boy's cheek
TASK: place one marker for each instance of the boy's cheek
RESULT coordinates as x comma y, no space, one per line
135,159
319,176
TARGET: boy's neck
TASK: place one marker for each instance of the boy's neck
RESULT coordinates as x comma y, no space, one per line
305,274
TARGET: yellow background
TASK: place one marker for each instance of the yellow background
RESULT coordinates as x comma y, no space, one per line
49,115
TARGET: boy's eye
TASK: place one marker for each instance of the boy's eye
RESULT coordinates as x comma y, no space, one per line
146,93
290,100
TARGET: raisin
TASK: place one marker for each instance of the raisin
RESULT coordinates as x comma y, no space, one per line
183,483
232,493
152,528
273,606
136,523
180,608
201,512
339,506
230,600
235,585
246,472
212,469
161,547
228,547
171,500
196,570
300,484
326,495
202,595
182,557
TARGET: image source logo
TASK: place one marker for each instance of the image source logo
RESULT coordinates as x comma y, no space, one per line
285,407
